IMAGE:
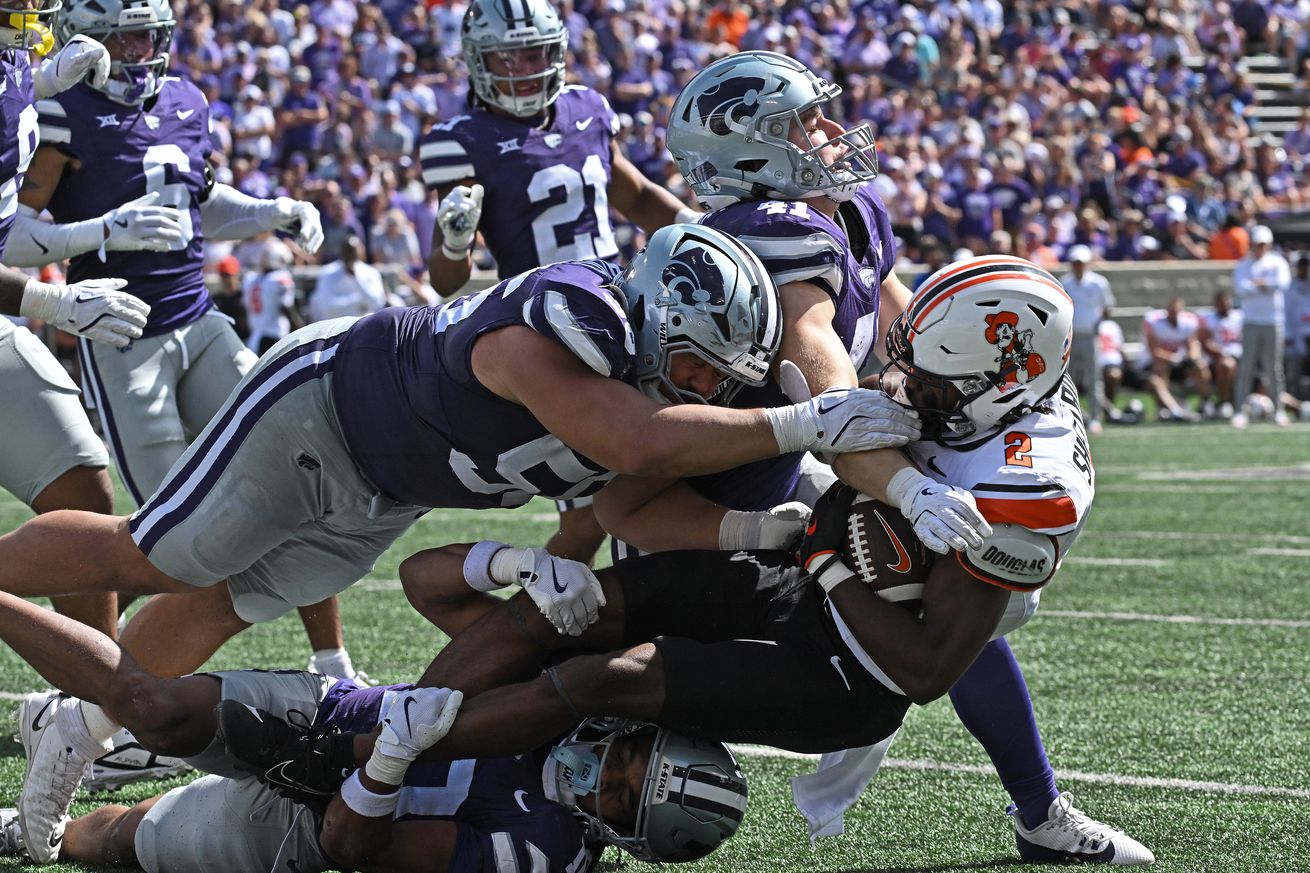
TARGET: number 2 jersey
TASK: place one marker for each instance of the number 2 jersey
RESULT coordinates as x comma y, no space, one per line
497,805
127,152
847,257
546,190
1035,473
422,427
18,129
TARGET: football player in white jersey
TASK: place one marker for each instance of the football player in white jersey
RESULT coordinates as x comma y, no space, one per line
1171,352
1220,336
534,165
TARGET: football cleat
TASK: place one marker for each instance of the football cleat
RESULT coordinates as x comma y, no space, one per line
1069,837
300,763
54,772
11,835
131,762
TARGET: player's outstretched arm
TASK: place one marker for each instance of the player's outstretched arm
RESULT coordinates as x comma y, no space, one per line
648,205
229,214
623,430
95,308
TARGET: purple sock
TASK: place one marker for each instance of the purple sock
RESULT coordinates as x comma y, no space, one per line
992,701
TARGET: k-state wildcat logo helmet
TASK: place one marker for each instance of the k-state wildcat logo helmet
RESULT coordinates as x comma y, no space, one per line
698,290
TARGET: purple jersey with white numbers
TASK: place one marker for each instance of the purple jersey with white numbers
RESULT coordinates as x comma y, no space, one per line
547,191
19,134
127,152
502,816
848,259
422,427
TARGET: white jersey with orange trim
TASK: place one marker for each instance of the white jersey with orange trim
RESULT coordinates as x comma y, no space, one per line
1226,330
1031,477
1169,337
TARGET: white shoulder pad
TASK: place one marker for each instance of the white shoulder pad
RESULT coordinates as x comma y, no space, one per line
1013,557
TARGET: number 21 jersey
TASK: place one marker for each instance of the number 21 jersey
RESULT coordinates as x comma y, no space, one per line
546,198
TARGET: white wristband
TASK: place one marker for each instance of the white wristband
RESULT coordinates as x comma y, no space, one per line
477,566
367,803
40,300
901,487
832,573
505,566
453,254
687,215
386,769
792,429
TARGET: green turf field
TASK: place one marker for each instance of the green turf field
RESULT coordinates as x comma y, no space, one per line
1169,665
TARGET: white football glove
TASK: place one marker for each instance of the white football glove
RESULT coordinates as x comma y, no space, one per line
944,517
778,528
843,420
565,591
413,721
140,225
458,217
94,308
80,58
300,217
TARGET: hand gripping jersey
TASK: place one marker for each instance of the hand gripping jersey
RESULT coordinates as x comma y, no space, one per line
503,818
546,190
424,430
127,152
848,258
20,137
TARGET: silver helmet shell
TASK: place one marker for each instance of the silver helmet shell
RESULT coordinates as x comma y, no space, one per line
129,83
523,31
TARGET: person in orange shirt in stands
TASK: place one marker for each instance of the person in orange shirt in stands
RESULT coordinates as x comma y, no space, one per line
1230,242
728,21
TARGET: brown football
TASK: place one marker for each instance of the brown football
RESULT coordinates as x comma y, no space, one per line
883,550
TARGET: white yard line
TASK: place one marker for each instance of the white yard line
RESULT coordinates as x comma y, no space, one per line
751,751
1175,619
1115,562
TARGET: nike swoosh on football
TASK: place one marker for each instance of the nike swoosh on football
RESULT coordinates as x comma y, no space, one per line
584,124
184,114
903,566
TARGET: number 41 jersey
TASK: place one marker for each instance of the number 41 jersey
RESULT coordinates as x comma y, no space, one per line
127,152
547,190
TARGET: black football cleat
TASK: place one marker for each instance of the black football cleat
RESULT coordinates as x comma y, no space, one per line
300,763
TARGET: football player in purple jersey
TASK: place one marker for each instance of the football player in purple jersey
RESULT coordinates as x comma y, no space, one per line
553,810
535,166
750,135
349,430
123,168
52,457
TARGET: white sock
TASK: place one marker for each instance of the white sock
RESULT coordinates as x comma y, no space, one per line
85,727
332,662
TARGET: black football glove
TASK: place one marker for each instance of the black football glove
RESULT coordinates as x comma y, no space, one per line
822,549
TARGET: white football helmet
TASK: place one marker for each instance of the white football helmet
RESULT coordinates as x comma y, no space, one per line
693,796
982,341
695,289
728,134
525,31
276,256
28,29
129,83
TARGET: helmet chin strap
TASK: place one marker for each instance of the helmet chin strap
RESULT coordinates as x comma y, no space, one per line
32,27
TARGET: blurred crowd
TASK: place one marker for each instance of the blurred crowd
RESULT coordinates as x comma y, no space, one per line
1026,127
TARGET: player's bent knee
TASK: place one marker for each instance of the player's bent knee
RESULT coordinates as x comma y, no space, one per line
148,707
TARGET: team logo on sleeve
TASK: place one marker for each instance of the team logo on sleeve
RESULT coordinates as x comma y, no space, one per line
1017,364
